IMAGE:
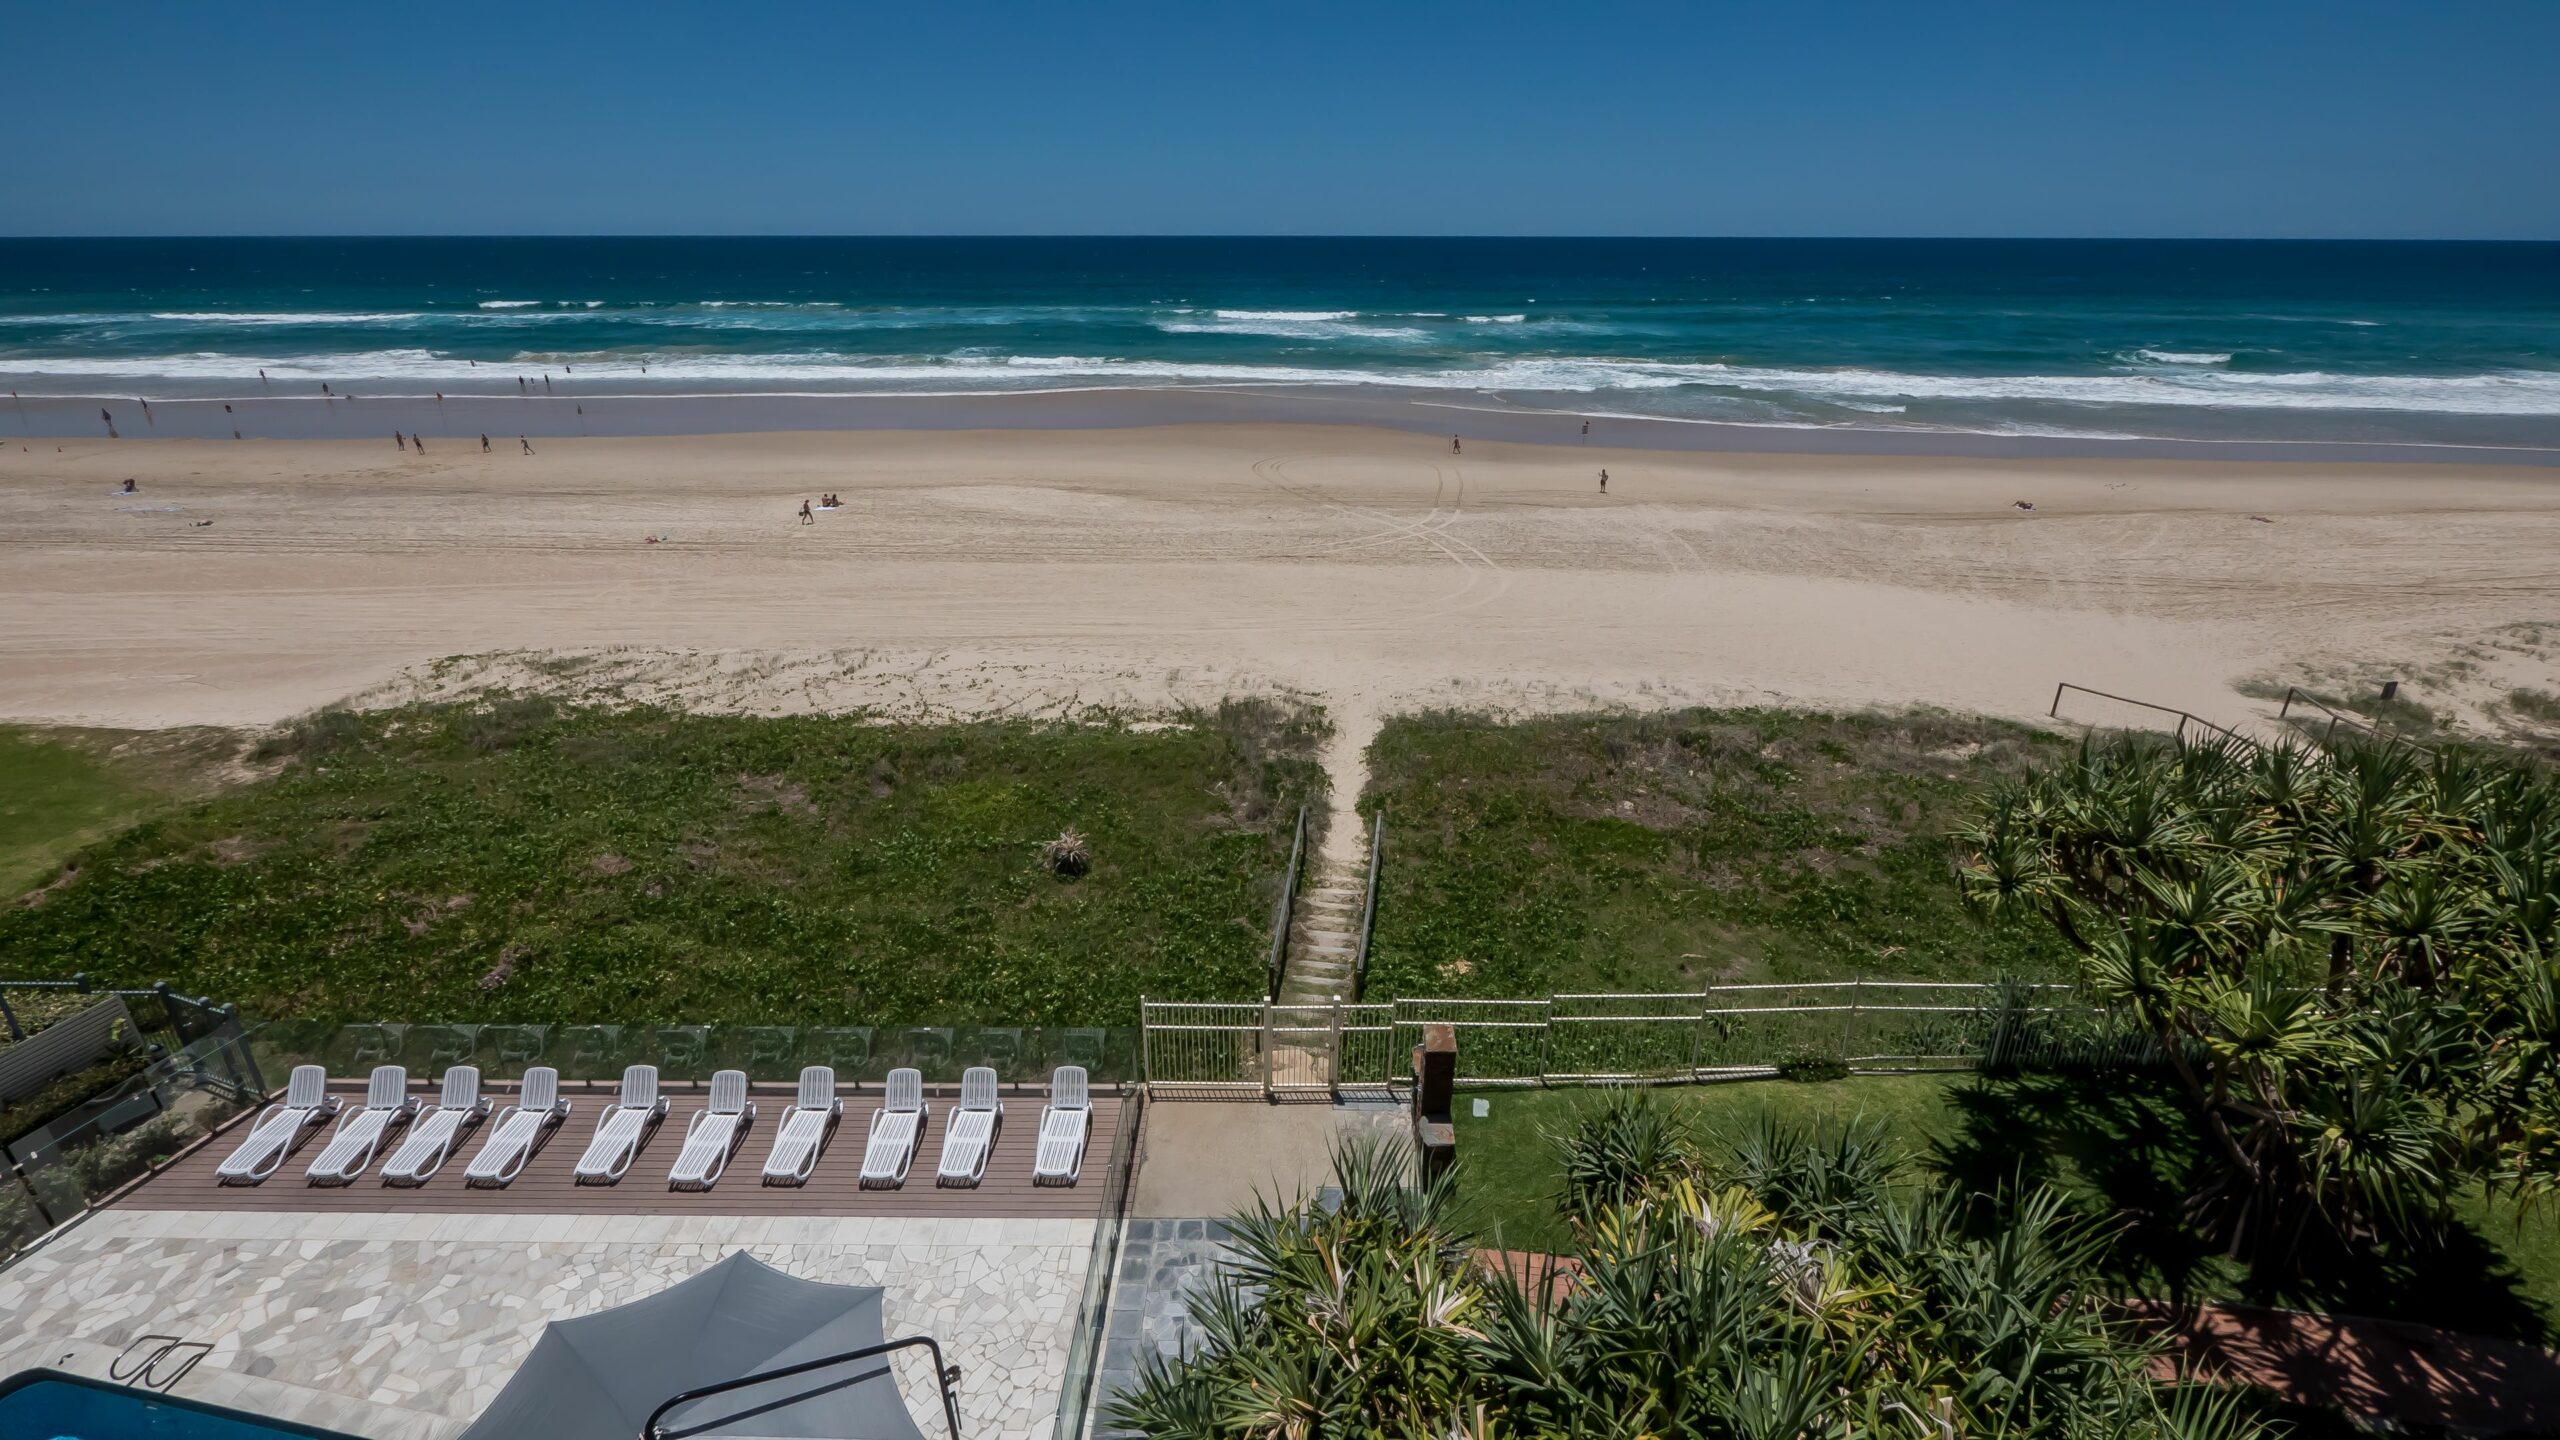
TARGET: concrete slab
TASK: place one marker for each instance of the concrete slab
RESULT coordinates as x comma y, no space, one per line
1204,1158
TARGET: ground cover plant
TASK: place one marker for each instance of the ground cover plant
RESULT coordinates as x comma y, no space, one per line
1666,852
1795,1284
61,789
514,860
2349,959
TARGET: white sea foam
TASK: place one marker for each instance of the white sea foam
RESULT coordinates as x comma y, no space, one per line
1290,325
2515,392
2185,357
1495,319
285,317
508,304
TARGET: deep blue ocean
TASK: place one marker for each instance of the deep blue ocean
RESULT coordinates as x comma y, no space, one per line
2448,343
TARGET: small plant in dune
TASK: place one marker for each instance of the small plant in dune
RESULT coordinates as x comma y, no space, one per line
1068,856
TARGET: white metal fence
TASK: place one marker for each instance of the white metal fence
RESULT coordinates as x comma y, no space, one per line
1725,1031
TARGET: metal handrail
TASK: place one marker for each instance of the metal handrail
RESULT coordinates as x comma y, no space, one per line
1369,906
946,1375
2369,730
1286,915
2054,712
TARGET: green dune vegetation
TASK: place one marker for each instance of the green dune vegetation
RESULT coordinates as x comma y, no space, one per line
1667,852
61,789
514,860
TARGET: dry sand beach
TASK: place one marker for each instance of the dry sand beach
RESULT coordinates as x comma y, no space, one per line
1369,569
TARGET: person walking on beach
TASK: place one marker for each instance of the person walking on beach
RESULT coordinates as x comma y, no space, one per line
1604,482
418,443
484,442
1586,429
396,440
527,444
805,517
1453,445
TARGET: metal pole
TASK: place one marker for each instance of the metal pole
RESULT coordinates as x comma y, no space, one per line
1849,1022
2056,711
15,1032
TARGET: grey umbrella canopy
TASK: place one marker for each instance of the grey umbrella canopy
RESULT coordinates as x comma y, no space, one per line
597,1377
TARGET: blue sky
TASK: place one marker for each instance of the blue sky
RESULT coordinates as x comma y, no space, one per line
2426,118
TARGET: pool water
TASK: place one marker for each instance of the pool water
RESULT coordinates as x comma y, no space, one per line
49,1405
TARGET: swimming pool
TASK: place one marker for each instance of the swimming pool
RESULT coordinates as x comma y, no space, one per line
49,1405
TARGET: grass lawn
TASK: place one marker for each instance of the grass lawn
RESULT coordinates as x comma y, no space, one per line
2119,1147
62,789
512,860
1666,852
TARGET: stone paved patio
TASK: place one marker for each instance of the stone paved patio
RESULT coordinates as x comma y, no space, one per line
404,1327
1163,1262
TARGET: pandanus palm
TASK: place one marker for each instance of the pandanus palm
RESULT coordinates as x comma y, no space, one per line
1795,1287
2200,883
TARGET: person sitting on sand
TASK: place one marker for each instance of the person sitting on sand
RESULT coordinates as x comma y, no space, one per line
128,487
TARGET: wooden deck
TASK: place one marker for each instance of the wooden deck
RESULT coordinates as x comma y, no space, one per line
548,1186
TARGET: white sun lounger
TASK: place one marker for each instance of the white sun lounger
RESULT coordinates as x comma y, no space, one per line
802,1135
351,1146
889,1146
712,1135
307,1104
519,1132
622,1127
970,1134
1064,1122
433,1133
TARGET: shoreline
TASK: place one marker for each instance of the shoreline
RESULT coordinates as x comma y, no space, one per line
567,412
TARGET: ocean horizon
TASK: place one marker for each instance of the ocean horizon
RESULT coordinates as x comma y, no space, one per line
2341,342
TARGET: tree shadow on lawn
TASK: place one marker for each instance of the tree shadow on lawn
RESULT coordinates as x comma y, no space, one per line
2125,1150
